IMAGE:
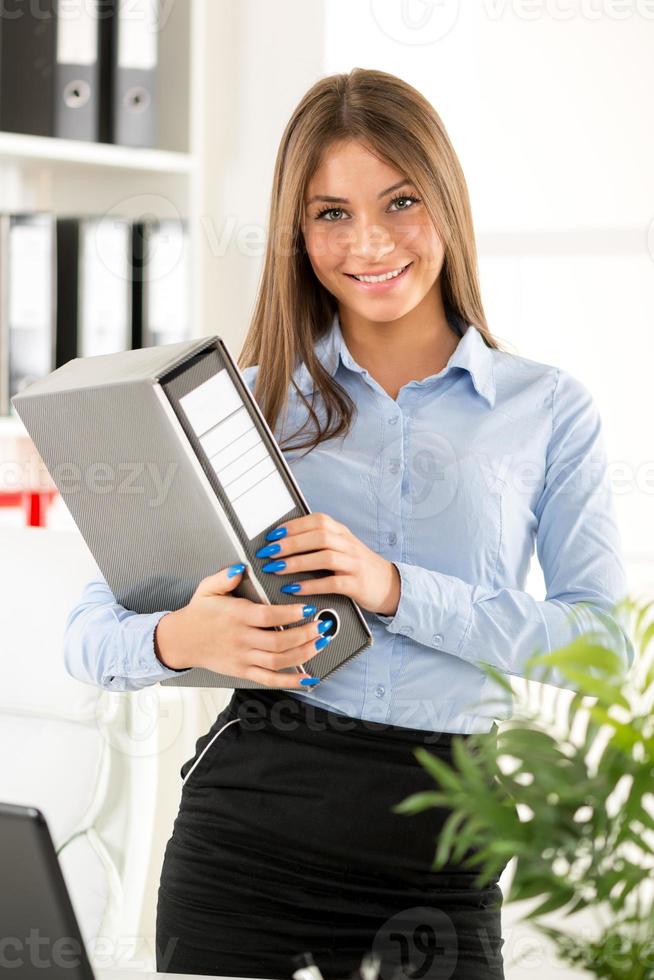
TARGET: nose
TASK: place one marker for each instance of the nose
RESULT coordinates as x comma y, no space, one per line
371,243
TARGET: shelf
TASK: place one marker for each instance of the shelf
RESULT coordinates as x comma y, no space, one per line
48,149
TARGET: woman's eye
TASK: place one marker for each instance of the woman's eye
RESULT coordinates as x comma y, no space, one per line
402,197
328,211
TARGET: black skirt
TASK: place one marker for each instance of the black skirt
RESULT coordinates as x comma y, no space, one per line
285,842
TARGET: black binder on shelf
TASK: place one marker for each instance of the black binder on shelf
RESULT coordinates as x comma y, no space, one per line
27,302
161,294
129,66
222,483
93,287
50,69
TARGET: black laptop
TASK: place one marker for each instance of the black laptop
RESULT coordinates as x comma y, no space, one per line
39,933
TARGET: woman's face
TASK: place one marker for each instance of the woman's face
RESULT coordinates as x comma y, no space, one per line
361,217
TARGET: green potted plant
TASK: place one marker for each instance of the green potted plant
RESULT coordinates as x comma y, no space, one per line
570,796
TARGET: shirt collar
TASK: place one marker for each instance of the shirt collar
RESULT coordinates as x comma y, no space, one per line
471,354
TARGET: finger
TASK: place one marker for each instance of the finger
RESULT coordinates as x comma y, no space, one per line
316,540
336,561
273,678
323,586
297,657
310,522
279,641
263,614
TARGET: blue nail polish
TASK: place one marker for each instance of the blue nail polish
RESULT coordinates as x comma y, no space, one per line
235,570
269,551
309,610
310,681
276,533
322,642
274,566
294,587
324,624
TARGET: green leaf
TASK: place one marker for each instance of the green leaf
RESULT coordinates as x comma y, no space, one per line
560,896
446,837
417,802
441,771
582,653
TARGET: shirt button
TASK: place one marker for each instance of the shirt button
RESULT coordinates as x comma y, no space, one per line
408,630
438,639
392,538
380,691
393,419
394,468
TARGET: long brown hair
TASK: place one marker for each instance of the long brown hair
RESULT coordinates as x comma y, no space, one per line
293,309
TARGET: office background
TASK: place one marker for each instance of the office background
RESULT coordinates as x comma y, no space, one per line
548,108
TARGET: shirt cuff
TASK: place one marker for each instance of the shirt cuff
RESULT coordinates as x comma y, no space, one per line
140,661
434,609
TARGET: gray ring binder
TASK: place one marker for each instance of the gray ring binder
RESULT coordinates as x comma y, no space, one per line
176,474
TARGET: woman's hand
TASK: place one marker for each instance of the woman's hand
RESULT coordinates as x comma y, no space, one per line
317,541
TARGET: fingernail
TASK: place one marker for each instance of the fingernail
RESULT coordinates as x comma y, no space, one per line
235,570
269,551
322,642
277,533
324,624
310,681
274,566
309,610
294,587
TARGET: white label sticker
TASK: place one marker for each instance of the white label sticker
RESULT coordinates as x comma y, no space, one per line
246,470
77,32
138,27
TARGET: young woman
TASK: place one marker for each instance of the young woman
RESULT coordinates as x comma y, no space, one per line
431,459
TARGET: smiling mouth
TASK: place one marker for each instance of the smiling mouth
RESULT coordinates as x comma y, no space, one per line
373,280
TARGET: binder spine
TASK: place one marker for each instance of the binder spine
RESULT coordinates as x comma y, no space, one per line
5,406
27,64
77,99
130,52
67,289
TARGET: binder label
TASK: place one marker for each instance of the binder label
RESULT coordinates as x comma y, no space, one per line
247,472
77,32
137,34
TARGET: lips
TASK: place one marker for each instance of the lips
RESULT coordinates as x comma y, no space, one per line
384,286
352,275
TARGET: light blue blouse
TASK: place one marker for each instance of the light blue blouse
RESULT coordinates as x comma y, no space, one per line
454,481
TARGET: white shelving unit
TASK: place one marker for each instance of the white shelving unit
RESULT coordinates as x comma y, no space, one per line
69,177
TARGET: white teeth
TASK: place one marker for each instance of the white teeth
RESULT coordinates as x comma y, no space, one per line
389,275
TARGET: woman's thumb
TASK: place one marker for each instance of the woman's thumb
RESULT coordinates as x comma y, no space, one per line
223,581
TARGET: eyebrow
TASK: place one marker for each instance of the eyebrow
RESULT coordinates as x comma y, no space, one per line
344,200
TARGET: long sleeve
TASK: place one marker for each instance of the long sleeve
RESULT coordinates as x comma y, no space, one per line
110,646
578,547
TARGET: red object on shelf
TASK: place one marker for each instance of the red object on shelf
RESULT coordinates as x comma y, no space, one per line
35,504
